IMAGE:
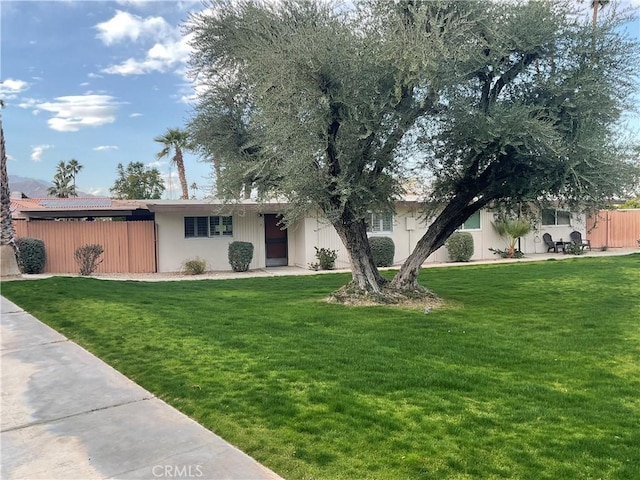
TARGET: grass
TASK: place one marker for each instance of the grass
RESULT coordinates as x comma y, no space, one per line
531,371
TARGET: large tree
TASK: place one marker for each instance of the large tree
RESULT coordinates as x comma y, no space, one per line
176,140
331,105
137,182
8,261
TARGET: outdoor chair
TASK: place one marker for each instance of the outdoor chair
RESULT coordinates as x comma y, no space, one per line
548,241
576,239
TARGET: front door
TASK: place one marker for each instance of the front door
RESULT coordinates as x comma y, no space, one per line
276,241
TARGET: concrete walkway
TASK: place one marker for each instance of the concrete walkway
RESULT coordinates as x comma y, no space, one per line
65,414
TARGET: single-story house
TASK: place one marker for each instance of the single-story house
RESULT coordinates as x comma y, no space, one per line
186,229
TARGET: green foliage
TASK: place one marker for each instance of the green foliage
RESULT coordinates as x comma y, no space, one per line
31,254
574,249
327,106
177,141
240,255
137,182
194,266
383,250
631,203
510,230
326,259
460,246
64,181
507,253
88,258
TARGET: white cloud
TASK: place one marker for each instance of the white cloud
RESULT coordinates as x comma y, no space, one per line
73,112
161,57
156,164
98,191
125,26
135,114
102,148
168,48
10,157
10,87
37,151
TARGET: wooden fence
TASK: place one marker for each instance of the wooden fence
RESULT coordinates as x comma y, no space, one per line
614,228
129,247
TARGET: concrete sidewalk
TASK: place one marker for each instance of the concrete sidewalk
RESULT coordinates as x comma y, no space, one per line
68,415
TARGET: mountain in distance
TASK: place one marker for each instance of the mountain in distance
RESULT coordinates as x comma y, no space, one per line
33,187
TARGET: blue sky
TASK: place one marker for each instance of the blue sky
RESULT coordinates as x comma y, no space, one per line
97,81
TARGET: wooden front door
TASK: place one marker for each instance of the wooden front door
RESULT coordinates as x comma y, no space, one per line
275,239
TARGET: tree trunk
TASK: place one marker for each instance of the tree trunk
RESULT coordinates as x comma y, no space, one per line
181,174
8,261
353,233
446,223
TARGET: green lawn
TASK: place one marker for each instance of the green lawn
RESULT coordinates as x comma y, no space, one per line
531,371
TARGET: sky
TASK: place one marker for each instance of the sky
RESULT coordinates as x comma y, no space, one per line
95,81
98,81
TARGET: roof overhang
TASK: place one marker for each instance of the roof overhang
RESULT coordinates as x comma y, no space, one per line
216,208
69,213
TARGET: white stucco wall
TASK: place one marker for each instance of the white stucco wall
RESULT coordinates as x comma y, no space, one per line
409,226
174,249
315,231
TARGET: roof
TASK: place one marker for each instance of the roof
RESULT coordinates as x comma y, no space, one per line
105,207
73,207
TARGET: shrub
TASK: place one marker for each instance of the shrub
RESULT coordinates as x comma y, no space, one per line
88,258
383,250
326,258
507,253
31,254
194,266
240,256
575,249
460,246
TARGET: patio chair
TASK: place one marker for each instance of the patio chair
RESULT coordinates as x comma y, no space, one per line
548,241
576,239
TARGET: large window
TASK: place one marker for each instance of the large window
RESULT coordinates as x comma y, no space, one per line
551,216
472,223
380,223
214,226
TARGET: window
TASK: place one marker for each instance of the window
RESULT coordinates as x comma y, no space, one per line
208,226
380,222
551,216
472,223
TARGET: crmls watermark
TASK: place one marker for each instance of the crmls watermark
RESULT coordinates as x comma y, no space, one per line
177,471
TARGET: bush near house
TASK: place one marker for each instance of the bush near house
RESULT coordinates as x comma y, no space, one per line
31,254
194,266
326,259
460,246
240,256
383,250
88,258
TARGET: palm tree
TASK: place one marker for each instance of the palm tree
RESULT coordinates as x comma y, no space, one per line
510,230
7,232
176,140
73,168
596,5
62,186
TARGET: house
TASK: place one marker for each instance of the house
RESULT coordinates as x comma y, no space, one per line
186,229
